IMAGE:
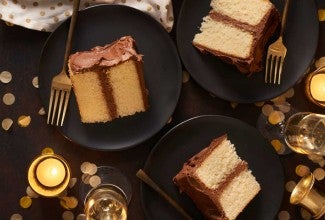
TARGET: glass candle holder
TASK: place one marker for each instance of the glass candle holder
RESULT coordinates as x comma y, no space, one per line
49,175
315,87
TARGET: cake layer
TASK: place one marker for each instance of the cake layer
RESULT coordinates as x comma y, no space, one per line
233,181
241,10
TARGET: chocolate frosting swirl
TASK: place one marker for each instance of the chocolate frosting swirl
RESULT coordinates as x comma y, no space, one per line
106,56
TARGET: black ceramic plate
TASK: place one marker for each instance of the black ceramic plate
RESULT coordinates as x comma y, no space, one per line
101,25
190,137
224,80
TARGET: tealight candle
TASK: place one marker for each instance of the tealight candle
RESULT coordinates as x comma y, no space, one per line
317,87
50,172
49,175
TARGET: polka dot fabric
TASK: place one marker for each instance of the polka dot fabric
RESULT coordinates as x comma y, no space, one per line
46,15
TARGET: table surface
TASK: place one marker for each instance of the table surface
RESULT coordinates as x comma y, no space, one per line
20,52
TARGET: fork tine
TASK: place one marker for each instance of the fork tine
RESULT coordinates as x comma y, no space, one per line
276,69
267,69
50,106
55,104
66,101
271,69
62,95
280,69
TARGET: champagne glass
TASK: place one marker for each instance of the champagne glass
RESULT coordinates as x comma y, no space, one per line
304,132
109,199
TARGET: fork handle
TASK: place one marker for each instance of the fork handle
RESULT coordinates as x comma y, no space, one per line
76,4
284,16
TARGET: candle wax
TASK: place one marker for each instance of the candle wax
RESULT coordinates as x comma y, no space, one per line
50,172
317,87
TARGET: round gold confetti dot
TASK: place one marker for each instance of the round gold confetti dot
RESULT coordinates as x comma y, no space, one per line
41,111
47,150
277,145
168,29
27,20
70,202
64,204
267,109
85,167
15,2
16,216
290,186
35,82
43,29
93,169
23,6
85,178
55,19
3,2
302,170
11,16
60,4
290,93
52,7
315,158
233,104
284,107
24,121
259,104
25,202
7,123
8,99
72,182
31,193
5,77
81,217
123,1
186,77
67,215
279,100
276,117
9,24
158,7
283,215
320,62
42,13
67,13
35,4
319,173
94,181
149,8
321,163
305,214
171,19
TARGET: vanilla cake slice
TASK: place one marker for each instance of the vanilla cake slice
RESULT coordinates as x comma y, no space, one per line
108,81
237,31
218,181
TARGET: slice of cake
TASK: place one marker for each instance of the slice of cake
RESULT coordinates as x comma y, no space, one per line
218,181
108,81
237,31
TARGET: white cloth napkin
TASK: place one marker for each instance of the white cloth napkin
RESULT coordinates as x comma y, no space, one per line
46,15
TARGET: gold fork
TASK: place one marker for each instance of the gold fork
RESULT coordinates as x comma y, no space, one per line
61,83
276,54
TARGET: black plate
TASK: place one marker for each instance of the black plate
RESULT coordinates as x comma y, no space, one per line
100,25
191,136
224,80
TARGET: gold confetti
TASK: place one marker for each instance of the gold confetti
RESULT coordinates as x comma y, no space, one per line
69,202
290,185
320,62
259,104
8,99
233,104
267,109
5,77
186,77
283,215
7,123
35,82
305,214
93,169
25,202
321,163
284,107
72,182
277,145
24,121
315,158
67,215
81,217
31,193
85,178
94,181
42,111
279,100
85,167
319,173
321,14
47,150
276,117
302,170
16,216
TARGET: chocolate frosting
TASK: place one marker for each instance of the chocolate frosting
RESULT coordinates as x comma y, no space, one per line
106,56
207,200
262,32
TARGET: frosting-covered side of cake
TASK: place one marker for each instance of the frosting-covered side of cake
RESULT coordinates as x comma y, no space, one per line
108,81
237,31
218,181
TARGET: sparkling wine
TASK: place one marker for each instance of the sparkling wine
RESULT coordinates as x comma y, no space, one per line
305,133
106,203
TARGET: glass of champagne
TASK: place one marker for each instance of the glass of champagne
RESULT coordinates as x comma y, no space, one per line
304,132
110,198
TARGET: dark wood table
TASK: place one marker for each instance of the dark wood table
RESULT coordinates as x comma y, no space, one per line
20,50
